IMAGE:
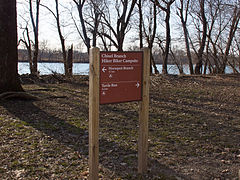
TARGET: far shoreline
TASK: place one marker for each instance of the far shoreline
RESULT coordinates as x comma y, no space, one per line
22,61
84,62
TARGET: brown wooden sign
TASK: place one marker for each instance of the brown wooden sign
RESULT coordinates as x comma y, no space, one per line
120,77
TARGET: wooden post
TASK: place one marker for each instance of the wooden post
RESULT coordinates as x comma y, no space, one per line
144,114
239,174
94,113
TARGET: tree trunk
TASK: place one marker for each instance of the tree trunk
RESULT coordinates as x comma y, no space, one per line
70,61
185,31
35,25
153,63
167,10
86,39
168,42
62,39
177,63
140,23
28,45
238,59
198,68
9,80
188,48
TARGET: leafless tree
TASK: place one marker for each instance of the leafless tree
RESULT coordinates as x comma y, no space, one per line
149,29
35,25
26,40
166,7
9,80
223,23
32,44
213,9
183,13
124,10
202,33
140,12
62,38
233,28
89,15
83,32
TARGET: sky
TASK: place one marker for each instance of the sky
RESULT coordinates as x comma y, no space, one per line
48,30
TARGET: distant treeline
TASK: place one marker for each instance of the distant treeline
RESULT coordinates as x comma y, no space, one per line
82,57
53,56
178,57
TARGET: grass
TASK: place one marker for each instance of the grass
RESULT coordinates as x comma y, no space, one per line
193,131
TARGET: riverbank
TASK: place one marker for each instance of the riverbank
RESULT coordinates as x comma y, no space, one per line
194,130
83,68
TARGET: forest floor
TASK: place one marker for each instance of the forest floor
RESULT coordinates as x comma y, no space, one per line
194,130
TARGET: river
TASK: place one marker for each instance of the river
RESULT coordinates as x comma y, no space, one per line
83,68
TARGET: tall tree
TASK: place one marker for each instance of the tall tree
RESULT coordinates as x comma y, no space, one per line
167,9
202,16
31,44
183,13
9,80
140,12
67,69
80,6
213,11
223,19
233,28
124,10
35,25
150,32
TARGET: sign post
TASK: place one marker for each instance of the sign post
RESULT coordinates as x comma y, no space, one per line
93,113
144,115
116,77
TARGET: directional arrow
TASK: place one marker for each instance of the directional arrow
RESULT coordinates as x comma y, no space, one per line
110,76
137,85
103,93
104,69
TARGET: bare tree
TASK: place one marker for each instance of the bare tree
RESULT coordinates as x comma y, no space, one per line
213,11
83,33
28,44
202,17
140,12
183,13
167,9
62,39
89,14
223,22
124,11
35,25
150,32
32,44
233,28
9,80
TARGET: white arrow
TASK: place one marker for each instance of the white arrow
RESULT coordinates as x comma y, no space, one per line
104,69
103,93
137,84
110,76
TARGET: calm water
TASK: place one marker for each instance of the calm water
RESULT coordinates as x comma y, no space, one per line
83,68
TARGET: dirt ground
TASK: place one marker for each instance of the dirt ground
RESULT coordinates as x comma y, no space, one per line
194,130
